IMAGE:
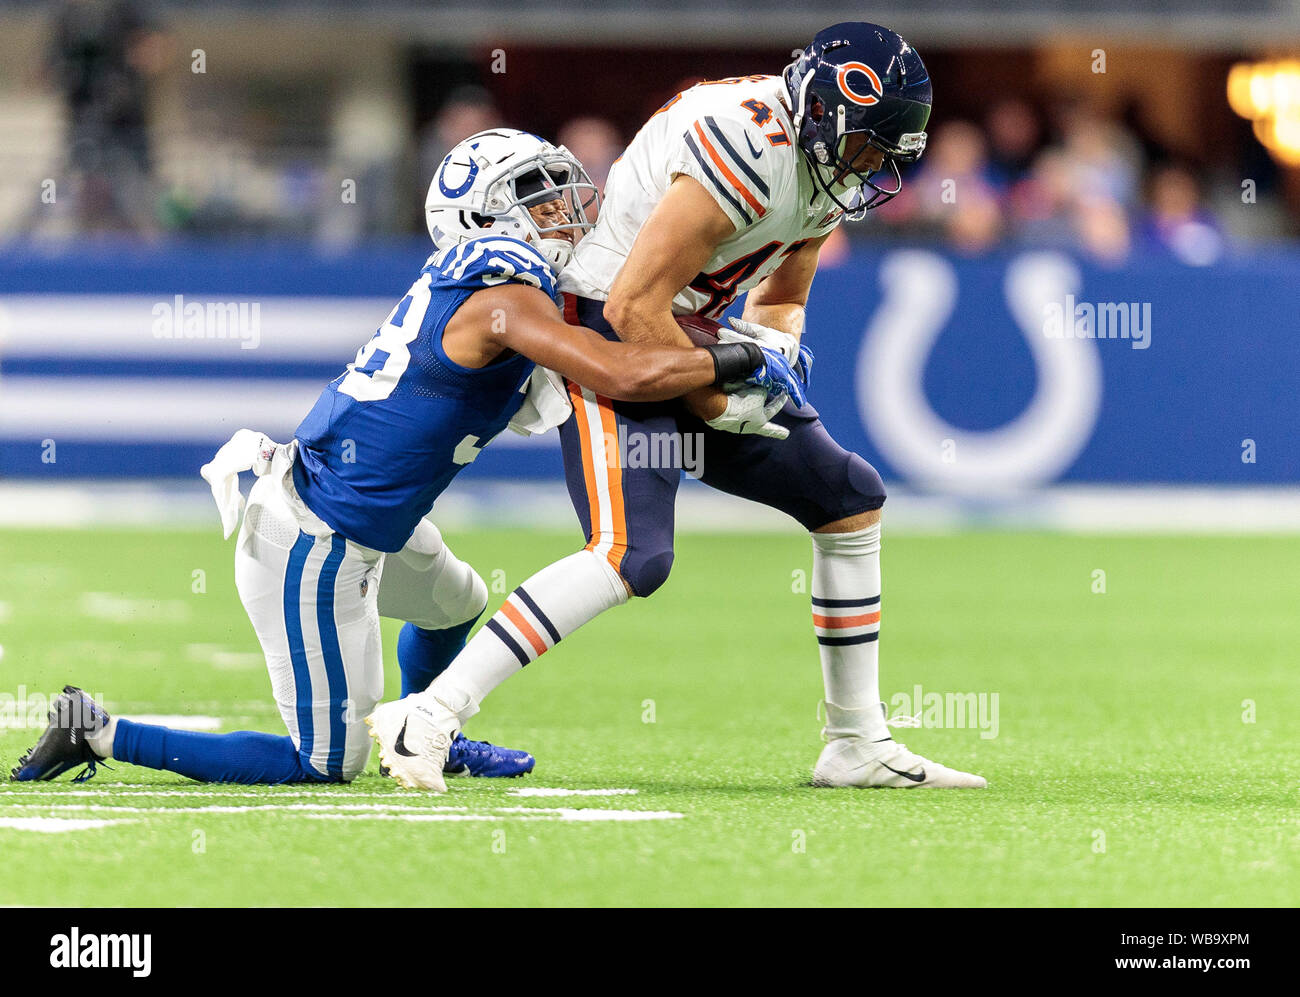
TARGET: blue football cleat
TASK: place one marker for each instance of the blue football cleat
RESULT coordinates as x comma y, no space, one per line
486,760
66,741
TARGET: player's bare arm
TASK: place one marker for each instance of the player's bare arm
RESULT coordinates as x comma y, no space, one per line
673,246
779,300
524,320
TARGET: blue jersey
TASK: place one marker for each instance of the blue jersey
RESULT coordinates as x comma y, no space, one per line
386,437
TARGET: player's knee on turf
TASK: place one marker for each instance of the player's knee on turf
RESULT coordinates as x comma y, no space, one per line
356,752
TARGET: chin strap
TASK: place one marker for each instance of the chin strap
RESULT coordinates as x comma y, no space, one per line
558,253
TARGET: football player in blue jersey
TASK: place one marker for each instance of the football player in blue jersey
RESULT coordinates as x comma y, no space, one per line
334,534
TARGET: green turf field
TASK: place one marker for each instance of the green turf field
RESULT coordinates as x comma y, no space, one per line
1128,766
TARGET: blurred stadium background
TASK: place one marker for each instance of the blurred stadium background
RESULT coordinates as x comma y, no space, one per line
271,159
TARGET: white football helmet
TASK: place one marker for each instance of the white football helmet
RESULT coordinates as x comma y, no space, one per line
487,183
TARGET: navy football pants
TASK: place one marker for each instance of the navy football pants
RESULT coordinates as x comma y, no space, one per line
625,497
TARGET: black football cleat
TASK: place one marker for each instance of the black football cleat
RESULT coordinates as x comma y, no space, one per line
66,741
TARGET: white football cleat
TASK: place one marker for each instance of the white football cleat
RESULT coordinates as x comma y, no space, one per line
855,761
413,740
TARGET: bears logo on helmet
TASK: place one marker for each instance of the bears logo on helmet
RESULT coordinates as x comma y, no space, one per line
865,99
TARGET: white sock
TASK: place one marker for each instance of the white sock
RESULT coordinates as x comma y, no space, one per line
101,742
846,618
538,615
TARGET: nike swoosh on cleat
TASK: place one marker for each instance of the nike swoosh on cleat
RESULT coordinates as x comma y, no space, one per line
752,151
400,744
907,775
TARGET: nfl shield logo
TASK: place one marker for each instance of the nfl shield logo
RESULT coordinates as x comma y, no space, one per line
365,587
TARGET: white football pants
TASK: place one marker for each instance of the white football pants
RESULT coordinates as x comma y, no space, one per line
315,599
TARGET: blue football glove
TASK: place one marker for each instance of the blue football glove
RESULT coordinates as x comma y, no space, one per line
789,346
776,376
803,367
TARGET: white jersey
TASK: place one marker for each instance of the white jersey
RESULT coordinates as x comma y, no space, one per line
735,137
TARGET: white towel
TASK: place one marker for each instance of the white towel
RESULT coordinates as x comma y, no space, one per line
546,404
245,451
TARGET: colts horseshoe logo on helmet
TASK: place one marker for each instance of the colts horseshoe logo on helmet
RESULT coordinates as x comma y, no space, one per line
865,99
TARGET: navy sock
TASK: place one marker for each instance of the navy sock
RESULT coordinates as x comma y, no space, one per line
423,655
247,756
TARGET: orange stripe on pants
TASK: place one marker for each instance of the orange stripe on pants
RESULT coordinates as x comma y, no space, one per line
611,469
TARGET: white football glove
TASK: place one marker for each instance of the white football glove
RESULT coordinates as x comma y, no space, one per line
773,339
748,411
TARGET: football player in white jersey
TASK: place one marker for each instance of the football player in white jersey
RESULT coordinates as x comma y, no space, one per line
731,187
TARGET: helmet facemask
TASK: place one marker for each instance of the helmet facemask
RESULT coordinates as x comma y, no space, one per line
540,180
846,181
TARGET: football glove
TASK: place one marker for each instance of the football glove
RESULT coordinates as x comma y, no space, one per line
778,379
792,348
763,335
750,411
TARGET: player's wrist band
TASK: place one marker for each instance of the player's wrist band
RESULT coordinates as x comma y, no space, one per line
734,361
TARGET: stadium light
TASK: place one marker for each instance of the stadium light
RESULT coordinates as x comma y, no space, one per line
1268,94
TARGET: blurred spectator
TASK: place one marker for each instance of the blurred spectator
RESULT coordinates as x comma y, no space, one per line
1176,222
953,197
1105,160
100,56
1102,228
1014,135
596,143
1054,207
234,155
468,110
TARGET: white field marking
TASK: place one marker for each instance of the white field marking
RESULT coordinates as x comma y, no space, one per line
219,656
526,813
632,815
350,809
593,813
408,817
369,811
542,791
6,611
123,609
108,790
219,809
119,789
53,825
176,720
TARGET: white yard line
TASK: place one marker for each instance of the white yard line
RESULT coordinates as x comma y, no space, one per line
542,791
271,792
344,811
218,809
526,813
53,825
407,817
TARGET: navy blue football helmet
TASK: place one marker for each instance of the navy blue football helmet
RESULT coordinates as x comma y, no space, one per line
858,78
